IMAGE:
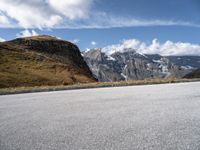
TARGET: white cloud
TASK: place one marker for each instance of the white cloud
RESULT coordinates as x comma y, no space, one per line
93,43
125,45
27,33
71,9
113,21
2,40
104,20
155,47
68,14
75,41
29,13
42,13
4,21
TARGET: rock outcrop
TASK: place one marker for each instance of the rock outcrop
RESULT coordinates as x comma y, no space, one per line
193,75
130,65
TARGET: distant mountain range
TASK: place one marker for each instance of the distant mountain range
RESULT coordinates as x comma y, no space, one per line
131,65
41,60
45,61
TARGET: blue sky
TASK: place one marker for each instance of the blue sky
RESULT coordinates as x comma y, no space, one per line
98,23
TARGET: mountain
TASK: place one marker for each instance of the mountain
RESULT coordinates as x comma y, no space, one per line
194,74
186,61
41,60
131,65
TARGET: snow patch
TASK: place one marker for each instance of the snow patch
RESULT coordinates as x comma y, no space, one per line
187,67
87,50
110,58
157,61
124,76
125,66
148,66
142,55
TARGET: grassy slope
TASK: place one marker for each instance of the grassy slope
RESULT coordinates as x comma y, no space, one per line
28,68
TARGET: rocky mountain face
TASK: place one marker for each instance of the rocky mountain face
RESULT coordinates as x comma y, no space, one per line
41,60
130,65
194,74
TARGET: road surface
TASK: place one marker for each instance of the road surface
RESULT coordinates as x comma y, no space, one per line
147,117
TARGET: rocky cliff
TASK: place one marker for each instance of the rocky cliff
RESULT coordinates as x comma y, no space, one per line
194,74
130,65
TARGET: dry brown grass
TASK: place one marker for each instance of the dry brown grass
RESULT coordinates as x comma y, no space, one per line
26,68
92,85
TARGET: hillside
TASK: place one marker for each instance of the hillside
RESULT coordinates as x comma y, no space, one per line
194,74
41,60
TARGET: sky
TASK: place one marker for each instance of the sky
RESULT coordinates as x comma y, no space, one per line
167,27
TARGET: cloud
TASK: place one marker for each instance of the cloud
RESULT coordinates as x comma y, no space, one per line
29,13
71,9
98,20
104,20
4,20
155,47
42,13
75,41
69,14
2,40
93,43
27,33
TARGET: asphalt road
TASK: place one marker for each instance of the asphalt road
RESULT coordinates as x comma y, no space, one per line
122,118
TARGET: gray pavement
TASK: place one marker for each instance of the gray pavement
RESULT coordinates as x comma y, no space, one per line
122,118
